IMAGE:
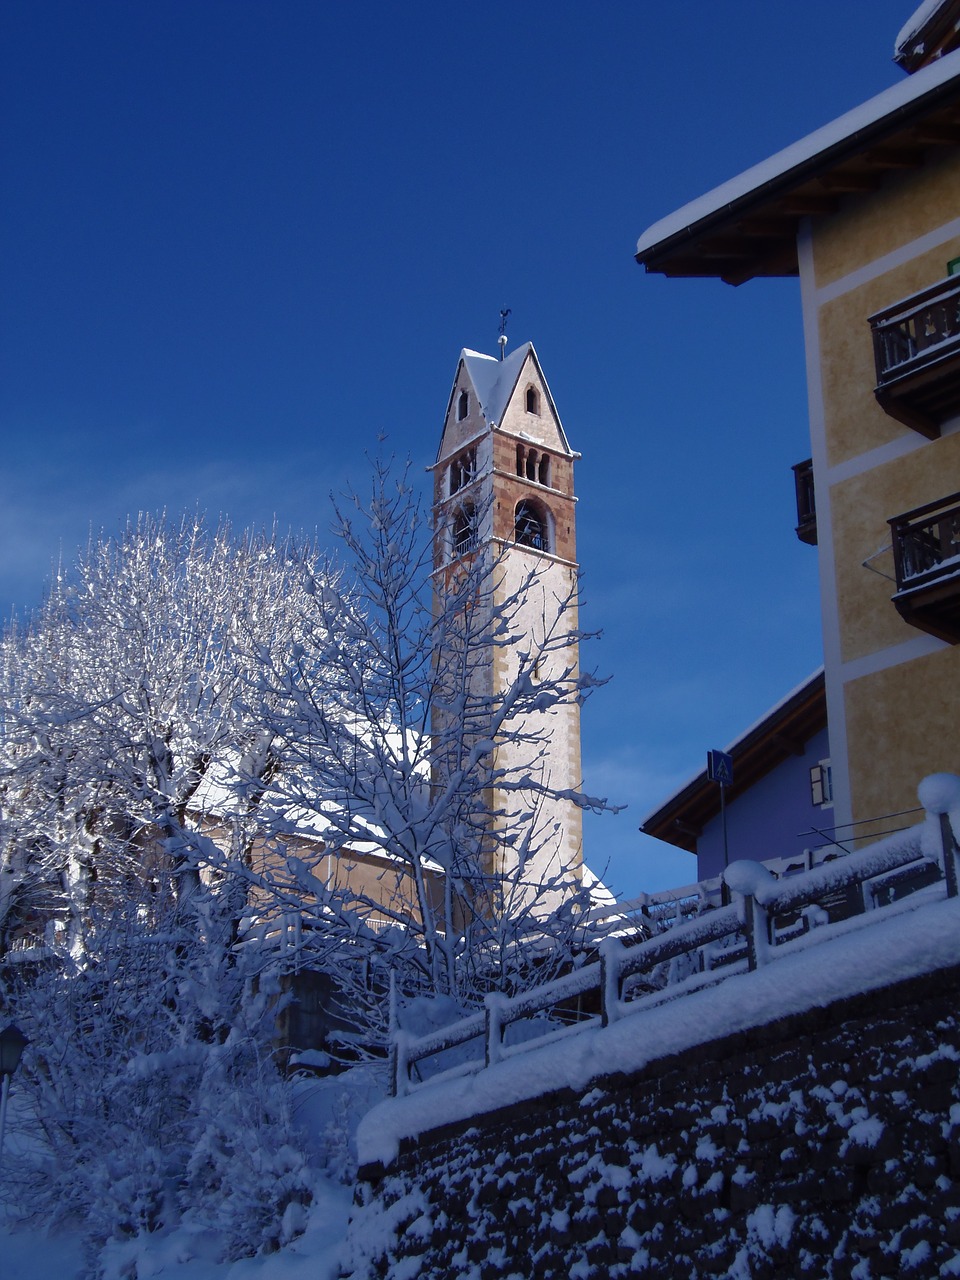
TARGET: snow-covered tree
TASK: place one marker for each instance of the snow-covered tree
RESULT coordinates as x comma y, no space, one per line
220,763
392,742
131,772
124,710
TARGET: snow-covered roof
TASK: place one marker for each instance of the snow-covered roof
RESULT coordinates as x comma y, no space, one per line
282,808
495,381
916,22
838,143
931,26
600,895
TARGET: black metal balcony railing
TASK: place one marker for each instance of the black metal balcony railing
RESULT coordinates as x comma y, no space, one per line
926,553
916,346
918,329
806,502
926,541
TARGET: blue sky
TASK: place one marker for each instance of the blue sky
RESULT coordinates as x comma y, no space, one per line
240,240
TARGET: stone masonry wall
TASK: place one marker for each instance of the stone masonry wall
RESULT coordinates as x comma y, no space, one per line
825,1145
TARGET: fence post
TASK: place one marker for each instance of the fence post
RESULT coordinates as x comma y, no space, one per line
939,793
948,855
393,1024
757,927
399,1064
492,1015
748,880
611,949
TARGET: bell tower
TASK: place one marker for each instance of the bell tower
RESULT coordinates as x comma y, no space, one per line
503,484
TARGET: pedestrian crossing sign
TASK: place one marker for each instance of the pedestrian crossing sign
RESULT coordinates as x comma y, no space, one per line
720,767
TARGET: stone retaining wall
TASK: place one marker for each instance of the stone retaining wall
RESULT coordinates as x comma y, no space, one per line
826,1144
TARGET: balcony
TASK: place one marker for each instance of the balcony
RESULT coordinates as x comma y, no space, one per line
916,345
806,502
926,552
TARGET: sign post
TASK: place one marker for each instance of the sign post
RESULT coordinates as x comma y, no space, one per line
720,769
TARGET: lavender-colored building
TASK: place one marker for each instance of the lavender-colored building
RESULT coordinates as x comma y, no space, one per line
779,802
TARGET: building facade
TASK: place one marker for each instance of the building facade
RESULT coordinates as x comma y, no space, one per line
865,213
779,806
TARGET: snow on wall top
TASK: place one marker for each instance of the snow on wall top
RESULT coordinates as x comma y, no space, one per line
867,957
844,128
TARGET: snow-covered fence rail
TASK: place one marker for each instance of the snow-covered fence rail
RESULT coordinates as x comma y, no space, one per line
503,1011
619,963
407,1051
766,913
669,907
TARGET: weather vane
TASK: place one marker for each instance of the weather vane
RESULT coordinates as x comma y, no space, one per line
504,312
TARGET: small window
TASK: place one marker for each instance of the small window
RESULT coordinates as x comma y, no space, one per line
530,526
821,785
463,406
543,469
463,470
465,530
533,401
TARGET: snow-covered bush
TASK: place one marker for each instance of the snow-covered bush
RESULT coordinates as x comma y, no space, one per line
247,1178
149,1093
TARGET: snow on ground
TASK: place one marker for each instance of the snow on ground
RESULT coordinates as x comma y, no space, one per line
186,1255
917,936
327,1109
28,1256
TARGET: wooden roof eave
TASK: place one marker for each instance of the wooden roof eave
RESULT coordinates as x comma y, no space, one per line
937,35
758,231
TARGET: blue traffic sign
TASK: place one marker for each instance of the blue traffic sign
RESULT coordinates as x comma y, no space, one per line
720,767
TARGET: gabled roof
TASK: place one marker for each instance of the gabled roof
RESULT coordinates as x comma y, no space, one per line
748,226
782,732
495,381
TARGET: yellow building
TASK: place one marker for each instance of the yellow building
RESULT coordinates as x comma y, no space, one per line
866,212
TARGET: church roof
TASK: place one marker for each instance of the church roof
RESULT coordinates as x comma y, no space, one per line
495,381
